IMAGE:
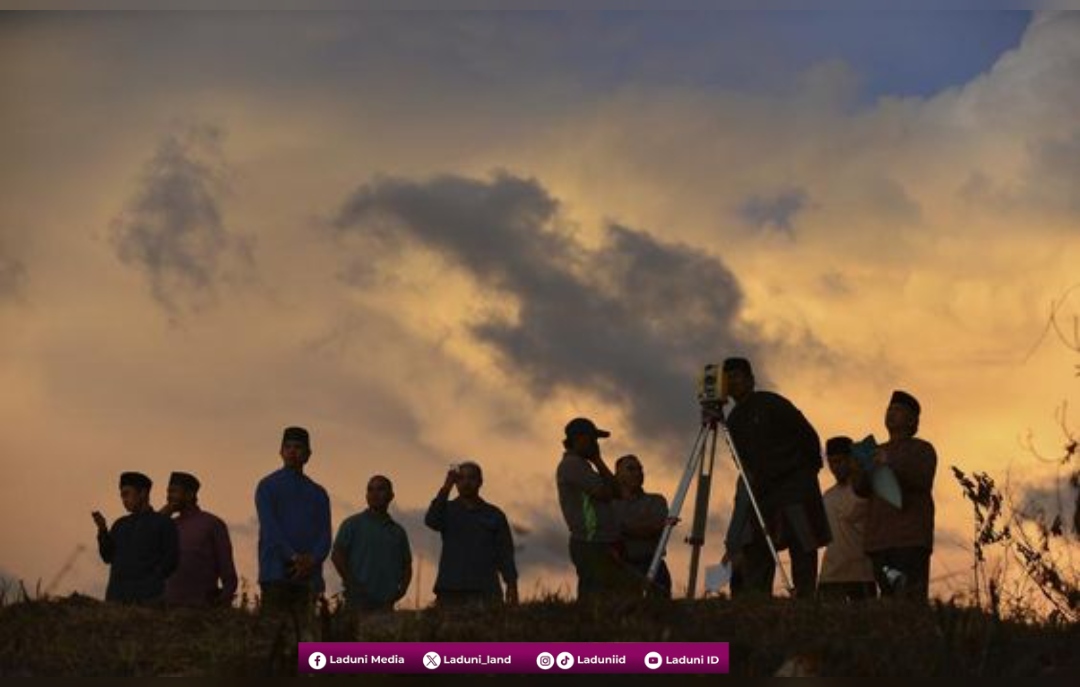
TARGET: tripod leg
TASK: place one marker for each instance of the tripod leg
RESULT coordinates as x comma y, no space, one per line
701,508
676,503
757,512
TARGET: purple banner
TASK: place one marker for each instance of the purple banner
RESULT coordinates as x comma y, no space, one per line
513,657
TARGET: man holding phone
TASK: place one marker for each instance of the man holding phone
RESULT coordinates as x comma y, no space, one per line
477,546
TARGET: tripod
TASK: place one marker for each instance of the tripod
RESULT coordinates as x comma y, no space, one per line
712,424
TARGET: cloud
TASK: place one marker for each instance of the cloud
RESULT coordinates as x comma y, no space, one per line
836,284
632,320
13,278
173,228
776,211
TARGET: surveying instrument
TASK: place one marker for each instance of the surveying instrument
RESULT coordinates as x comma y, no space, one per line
712,395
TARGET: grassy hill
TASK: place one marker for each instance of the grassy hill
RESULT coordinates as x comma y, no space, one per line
78,636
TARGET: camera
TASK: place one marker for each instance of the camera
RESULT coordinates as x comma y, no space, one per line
710,386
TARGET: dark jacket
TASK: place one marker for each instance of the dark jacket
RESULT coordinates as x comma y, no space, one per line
142,550
781,455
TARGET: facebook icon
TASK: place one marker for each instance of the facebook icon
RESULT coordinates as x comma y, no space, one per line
317,661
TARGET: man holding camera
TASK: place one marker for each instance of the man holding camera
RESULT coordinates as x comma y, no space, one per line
477,546
781,456
586,488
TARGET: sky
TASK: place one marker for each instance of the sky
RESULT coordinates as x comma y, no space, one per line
436,236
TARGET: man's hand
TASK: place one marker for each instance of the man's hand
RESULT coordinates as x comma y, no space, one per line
451,479
881,457
512,594
732,559
302,565
99,520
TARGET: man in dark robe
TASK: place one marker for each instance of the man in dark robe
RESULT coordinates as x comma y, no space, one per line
141,547
781,456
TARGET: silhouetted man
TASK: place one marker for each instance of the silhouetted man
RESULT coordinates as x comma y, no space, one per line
206,575
477,546
372,553
900,541
586,488
294,534
846,572
641,517
781,455
141,547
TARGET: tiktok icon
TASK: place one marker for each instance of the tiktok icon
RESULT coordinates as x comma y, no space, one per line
317,661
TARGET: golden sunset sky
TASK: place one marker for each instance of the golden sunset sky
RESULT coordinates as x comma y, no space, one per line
434,236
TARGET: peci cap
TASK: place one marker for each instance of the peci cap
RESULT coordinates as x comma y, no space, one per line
135,479
296,434
905,399
186,480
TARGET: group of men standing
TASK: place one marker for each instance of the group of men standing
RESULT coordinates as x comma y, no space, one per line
179,555
871,544
182,555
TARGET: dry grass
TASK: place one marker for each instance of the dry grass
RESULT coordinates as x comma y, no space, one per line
78,636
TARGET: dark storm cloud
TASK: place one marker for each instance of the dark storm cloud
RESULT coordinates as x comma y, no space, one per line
775,212
173,229
632,321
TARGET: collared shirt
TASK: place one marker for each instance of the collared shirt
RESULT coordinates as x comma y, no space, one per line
141,549
588,519
476,546
377,553
206,556
635,510
294,518
845,559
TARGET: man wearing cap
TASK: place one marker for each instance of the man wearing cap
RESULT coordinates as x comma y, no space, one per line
781,456
206,555
141,547
846,573
900,541
586,488
477,546
294,533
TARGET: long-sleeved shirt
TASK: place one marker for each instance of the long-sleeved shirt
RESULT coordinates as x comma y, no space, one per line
294,518
781,456
914,462
206,556
476,546
141,549
631,513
